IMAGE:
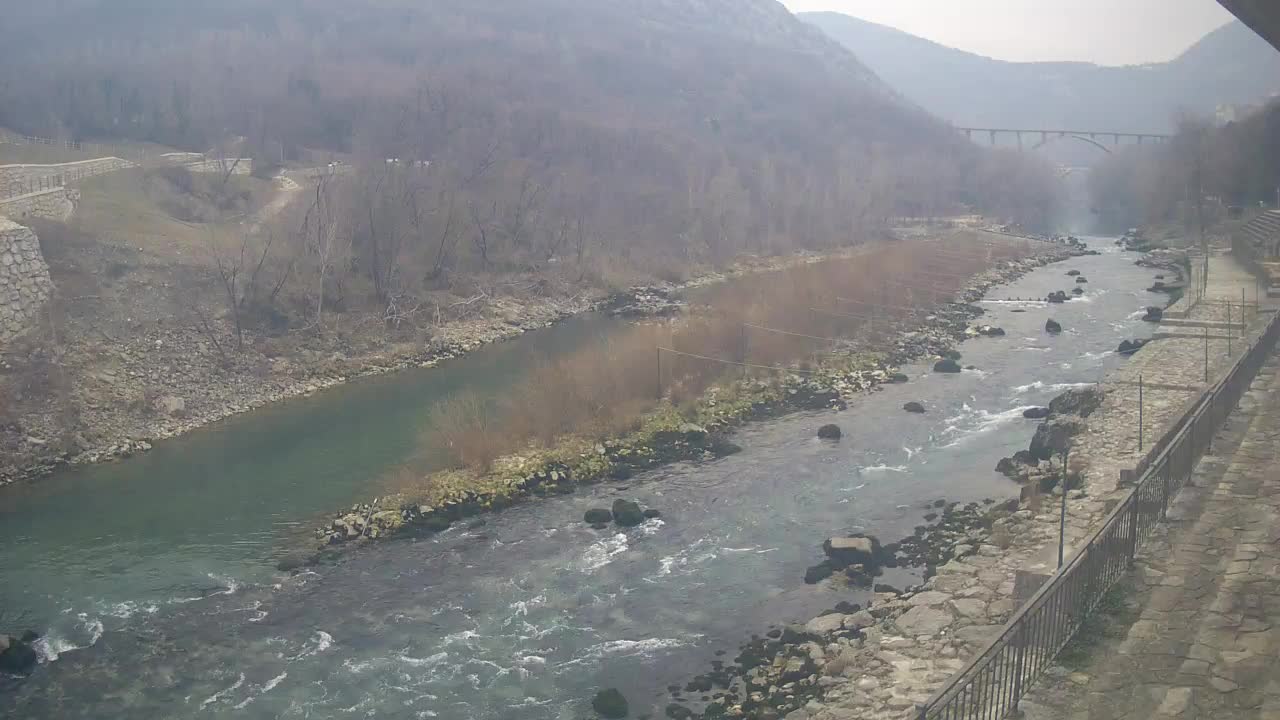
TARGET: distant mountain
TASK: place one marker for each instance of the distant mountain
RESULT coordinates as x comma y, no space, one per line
1230,66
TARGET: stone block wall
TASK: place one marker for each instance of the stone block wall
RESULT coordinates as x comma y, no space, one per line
25,179
243,167
25,286
55,204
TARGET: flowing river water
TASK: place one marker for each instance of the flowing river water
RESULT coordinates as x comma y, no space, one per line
153,579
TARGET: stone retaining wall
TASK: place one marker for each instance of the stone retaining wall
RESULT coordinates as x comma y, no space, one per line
25,286
55,204
240,166
18,180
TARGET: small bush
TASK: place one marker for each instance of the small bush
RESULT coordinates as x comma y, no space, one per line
463,426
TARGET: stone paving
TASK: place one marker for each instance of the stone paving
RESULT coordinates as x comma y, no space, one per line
1176,368
1206,643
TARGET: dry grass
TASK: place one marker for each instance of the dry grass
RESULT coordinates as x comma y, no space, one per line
39,155
606,388
144,210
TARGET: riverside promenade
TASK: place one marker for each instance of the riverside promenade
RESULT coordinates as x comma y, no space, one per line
1194,633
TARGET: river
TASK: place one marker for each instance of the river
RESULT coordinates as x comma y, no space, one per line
159,568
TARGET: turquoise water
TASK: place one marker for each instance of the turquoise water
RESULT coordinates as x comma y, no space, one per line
207,511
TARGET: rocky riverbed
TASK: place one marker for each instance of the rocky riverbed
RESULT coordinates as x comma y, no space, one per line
882,662
879,662
669,436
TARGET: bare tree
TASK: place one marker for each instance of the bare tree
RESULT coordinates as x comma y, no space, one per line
521,215
445,239
320,234
483,223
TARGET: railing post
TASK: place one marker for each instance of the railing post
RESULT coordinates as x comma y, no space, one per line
1020,665
1133,527
1164,491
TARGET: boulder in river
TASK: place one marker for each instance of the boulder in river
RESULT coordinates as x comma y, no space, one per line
627,513
818,573
914,407
899,378
1129,347
830,432
991,331
950,354
1053,436
651,513
1077,401
1018,466
1053,327
597,516
1081,280
863,553
946,365
1036,413
1006,466
1072,273
17,657
1077,291
1154,314
610,703
1058,297
845,551
1024,457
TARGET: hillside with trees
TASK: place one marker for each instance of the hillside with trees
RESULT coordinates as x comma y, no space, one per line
1229,66
1237,165
673,131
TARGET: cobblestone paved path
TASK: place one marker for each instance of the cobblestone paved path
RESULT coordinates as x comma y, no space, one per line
1206,642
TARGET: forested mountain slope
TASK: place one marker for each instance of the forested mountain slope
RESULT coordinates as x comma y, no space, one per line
673,128
1229,66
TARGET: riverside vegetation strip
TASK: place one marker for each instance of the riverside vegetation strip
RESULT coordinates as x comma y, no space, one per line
692,430
163,382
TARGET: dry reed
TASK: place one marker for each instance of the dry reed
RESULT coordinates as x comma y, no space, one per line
788,318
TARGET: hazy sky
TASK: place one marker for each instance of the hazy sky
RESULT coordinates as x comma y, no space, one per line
1109,32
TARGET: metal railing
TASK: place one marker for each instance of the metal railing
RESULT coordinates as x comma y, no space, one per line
991,684
66,174
124,151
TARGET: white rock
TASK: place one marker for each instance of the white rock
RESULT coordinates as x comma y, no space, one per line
928,598
923,620
859,620
970,608
825,625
